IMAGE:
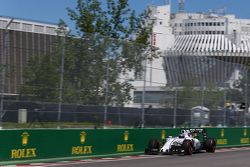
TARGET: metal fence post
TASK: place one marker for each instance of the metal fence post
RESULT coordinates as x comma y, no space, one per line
61,77
4,64
106,93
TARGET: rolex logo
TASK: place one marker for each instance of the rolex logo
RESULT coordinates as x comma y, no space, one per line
163,134
83,137
222,133
126,136
25,138
245,132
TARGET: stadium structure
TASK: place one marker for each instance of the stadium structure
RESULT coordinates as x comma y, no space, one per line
210,47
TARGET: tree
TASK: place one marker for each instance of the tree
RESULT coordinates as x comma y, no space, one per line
42,78
107,41
111,40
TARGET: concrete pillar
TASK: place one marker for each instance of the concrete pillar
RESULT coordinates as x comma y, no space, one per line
22,115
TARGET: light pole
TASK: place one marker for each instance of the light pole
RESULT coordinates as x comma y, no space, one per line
246,99
143,92
4,63
65,33
175,107
106,93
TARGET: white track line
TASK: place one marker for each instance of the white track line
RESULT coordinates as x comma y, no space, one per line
125,158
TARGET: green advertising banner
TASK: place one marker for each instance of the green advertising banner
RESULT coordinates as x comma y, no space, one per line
30,145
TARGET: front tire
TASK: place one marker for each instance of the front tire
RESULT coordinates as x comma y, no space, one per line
153,147
187,147
210,145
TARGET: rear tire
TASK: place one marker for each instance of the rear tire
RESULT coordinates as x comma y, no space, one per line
187,147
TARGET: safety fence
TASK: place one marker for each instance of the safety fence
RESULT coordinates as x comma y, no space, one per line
22,146
37,115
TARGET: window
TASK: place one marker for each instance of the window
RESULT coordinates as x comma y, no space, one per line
161,23
222,32
211,24
39,29
214,23
194,24
207,24
222,23
3,23
27,27
152,96
199,24
15,26
218,24
50,30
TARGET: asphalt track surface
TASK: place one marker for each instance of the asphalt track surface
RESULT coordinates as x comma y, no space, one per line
233,158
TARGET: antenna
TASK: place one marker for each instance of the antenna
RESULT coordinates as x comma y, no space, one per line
181,6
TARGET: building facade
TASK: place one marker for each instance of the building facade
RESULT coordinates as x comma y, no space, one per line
197,47
21,39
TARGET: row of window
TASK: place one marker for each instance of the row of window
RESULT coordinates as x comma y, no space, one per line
204,24
203,32
28,27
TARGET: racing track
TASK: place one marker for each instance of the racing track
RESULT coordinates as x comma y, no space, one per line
226,158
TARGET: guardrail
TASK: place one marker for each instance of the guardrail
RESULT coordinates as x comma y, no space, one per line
22,146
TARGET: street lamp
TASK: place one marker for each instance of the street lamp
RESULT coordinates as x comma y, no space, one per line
143,92
106,92
246,98
64,32
4,63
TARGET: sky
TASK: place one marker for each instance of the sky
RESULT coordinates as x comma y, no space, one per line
52,10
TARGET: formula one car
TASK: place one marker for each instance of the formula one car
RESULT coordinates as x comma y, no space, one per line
186,143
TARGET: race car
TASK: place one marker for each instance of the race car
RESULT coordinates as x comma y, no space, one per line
186,143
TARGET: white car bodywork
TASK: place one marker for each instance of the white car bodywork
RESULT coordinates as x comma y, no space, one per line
187,142
172,144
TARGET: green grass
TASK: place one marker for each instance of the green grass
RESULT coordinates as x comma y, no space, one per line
62,125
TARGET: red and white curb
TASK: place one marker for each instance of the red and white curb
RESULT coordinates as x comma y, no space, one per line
97,160
94,160
232,149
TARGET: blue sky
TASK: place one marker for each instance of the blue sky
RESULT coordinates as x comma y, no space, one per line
53,10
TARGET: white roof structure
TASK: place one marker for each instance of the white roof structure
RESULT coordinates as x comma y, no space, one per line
197,47
210,43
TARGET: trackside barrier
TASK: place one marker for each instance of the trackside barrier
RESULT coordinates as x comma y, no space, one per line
22,146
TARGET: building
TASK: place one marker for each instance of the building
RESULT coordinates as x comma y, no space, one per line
200,47
21,39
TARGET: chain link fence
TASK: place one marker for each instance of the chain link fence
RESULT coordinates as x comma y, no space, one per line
96,84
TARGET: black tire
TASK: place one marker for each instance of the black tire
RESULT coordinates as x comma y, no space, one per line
153,147
187,147
210,145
